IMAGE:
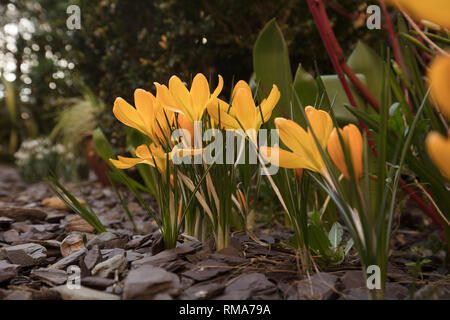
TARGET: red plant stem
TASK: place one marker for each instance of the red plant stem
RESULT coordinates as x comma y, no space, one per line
391,34
397,54
341,58
331,52
341,11
361,87
430,212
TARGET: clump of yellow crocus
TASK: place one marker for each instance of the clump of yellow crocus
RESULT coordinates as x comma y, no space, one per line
438,148
439,80
436,11
353,141
304,151
243,112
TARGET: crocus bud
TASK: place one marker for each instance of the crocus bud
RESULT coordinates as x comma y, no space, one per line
354,142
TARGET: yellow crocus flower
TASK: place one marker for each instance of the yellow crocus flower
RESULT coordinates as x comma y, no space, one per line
149,116
354,142
190,103
436,11
151,155
243,113
154,156
439,80
304,151
438,148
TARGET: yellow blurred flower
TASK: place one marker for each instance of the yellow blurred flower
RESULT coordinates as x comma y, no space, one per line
354,142
304,151
438,148
190,103
243,112
149,116
439,80
436,11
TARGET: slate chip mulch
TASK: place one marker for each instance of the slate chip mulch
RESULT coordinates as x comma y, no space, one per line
42,248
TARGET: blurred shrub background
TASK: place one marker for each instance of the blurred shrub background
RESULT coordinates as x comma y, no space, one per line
123,45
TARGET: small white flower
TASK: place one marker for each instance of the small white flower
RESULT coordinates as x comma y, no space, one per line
59,148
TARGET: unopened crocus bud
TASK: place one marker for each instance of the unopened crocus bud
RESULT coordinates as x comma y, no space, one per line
354,142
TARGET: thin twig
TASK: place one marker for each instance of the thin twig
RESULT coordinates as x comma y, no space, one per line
423,35
397,53
430,198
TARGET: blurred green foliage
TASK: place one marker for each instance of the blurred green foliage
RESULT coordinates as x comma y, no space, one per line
123,45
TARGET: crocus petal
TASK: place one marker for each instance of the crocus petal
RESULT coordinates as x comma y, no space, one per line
285,159
199,95
144,101
157,151
267,105
438,148
294,136
337,154
159,157
143,152
163,94
436,11
125,163
240,85
128,115
227,120
186,124
300,142
245,108
181,96
164,119
218,89
321,124
354,142
439,79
